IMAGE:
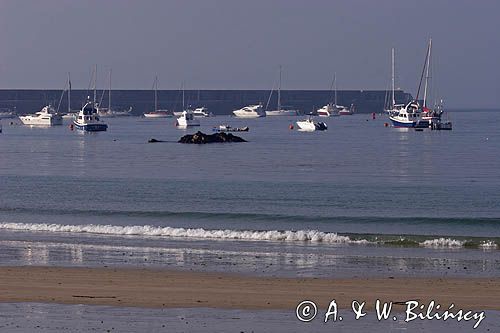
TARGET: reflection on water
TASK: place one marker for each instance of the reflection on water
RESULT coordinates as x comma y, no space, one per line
249,257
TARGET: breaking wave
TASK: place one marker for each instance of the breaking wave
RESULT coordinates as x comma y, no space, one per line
271,235
313,236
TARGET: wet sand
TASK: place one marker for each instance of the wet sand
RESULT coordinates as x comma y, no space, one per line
183,289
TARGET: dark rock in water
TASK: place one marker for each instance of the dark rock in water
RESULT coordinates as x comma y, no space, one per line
154,140
200,138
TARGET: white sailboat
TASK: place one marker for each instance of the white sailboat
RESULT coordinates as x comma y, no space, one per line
109,112
333,109
411,114
156,113
392,107
280,111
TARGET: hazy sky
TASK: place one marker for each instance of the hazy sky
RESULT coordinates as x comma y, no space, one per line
232,44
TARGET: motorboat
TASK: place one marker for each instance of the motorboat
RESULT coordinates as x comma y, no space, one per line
329,110
88,120
158,114
202,112
48,116
251,111
344,111
310,125
227,128
187,119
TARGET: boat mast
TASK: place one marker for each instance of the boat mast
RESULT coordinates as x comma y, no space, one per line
69,92
279,92
427,72
95,83
393,85
335,87
156,93
109,92
423,71
183,99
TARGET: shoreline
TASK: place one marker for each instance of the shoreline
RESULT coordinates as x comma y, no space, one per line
154,288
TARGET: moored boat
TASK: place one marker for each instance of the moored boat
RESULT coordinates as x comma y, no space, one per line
45,117
88,120
227,128
251,111
310,125
187,119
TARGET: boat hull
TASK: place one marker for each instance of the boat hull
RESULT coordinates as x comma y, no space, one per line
398,123
35,121
282,113
91,127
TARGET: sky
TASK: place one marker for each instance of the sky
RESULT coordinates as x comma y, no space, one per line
235,44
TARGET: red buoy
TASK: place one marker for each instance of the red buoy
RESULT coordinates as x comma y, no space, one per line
291,126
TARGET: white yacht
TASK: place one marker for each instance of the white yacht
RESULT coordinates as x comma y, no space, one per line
187,119
88,120
309,125
202,112
251,111
46,117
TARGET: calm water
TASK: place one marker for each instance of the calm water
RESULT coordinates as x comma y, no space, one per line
364,189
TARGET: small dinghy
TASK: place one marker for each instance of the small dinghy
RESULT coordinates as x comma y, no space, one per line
227,128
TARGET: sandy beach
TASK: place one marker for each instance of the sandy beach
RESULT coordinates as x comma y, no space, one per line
176,289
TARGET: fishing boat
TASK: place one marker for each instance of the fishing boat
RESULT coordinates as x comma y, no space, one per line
309,125
156,113
407,116
87,119
187,119
280,111
45,117
250,111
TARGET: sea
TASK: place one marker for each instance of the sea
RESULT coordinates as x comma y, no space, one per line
360,199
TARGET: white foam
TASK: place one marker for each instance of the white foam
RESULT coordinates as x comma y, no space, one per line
272,235
442,242
488,245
